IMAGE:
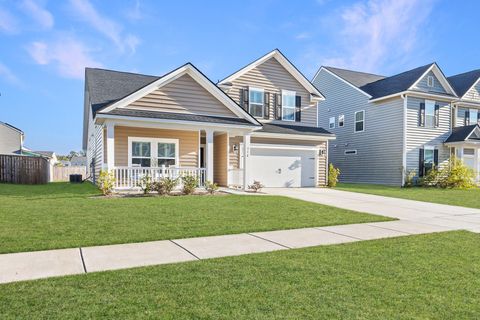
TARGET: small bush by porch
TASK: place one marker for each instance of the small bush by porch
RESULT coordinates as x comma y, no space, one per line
62,215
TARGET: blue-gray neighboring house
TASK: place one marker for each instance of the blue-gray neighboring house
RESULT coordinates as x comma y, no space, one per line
389,126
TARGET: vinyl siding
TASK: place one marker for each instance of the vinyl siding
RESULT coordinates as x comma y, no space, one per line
273,77
473,94
460,118
418,137
183,95
437,86
188,143
322,167
10,140
379,148
95,149
220,159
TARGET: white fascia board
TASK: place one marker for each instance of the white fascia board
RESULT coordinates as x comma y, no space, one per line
341,79
466,103
291,136
171,124
285,63
416,94
197,76
282,146
439,74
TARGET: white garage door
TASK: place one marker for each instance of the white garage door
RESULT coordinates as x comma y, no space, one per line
282,167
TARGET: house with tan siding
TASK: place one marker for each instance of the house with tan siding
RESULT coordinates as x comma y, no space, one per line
258,124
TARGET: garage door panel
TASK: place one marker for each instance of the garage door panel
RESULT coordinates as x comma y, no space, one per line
283,167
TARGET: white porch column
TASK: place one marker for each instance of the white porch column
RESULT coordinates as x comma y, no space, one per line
110,146
209,154
246,160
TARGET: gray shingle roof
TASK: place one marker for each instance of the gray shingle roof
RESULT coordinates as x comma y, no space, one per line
108,86
291,129
358,79
460,134
178,116
464,81
395,84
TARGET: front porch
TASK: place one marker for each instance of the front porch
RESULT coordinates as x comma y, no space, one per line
464,144
132,151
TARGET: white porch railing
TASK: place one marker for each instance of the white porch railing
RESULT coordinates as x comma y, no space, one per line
130,177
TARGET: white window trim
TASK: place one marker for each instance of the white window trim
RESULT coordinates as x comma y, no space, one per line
355,121
250,102
432,102
330,122
343,121
289,93
428,81
153,147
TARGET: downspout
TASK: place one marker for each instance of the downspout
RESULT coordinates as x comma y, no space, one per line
404,139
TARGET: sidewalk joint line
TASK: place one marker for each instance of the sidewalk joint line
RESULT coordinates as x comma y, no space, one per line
411,234
340,234
83,260
281,245
185,249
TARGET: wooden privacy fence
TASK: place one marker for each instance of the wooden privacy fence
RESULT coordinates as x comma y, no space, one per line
63,173
23,169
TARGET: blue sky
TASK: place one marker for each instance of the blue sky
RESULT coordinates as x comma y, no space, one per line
45,45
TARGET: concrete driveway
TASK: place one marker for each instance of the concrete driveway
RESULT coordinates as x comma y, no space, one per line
425,212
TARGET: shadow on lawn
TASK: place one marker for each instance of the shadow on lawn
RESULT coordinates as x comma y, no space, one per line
48,191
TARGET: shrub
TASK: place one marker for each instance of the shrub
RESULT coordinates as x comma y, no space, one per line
410,178
189,184
145,184
211,187
165,185
333,174
456,175
106,182
256,186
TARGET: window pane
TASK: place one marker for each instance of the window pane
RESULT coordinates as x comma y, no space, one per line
288,100
141,149
142,162
428,156
468,152
429,121
473,116
256,110
166,162
359,126
430,108
359,116
288,113
256,96
166,150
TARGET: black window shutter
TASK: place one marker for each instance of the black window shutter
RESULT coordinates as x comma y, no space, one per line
266,105
478,116
241,98
467,117
298,108
422,114
437,115
245,99
421,162
435,158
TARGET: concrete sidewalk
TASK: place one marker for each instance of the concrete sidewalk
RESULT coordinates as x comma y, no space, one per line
415,218
44,264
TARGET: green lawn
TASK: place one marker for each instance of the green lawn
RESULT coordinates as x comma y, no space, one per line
465,198
63,215
434,276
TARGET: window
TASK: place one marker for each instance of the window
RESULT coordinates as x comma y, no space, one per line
341,120
255,102
141,154
331,123
360,121
430,81
350,152
288,105
473,116
428,159
152,152
429,113
166,154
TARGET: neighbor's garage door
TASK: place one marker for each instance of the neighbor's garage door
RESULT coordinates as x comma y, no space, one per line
282,167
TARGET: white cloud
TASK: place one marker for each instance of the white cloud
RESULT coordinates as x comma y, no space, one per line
42,16
8,23
135,13
7,74
68,55
302,36
105,26
374,33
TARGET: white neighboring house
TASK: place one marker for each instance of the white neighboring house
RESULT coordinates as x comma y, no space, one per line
52,160
11,139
